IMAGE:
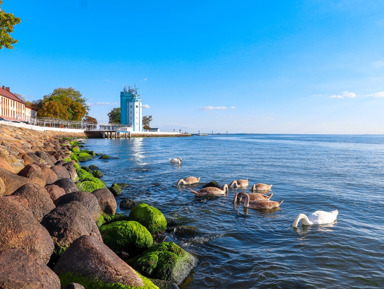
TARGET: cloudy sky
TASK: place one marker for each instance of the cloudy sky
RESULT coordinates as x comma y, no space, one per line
257,66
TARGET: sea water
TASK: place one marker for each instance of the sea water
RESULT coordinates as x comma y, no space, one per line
240,248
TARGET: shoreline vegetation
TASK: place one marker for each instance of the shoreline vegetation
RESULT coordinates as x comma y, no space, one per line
59,227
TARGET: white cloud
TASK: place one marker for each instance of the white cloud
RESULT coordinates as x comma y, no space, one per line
216,108
344,94
377,94
146,106
145,79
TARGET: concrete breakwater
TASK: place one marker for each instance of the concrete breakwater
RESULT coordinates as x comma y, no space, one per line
59,227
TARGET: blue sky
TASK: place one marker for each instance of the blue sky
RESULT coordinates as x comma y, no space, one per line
237,66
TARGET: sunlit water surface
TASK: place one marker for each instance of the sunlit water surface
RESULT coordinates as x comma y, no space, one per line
260,249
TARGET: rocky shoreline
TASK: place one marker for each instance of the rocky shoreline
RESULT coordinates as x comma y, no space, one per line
59,227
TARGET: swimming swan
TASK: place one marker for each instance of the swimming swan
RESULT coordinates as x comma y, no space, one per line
239,183
177,161
316,218
259,204
252,197
261,187
211,191
188,181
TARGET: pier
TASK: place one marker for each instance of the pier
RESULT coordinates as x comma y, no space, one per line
115,134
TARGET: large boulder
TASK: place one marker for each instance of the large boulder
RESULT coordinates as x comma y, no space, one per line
61,172
2,187
106,200
4,164
34,173
68,222
54,192
90,261
49,175
68,185
20,270
88,200
45,157
12,181
126,237
166,261
39,200
70,167
150,217
20,229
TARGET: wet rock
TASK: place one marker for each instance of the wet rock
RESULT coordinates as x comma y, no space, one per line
127,204
185,231
212,184
61,172
20,270
68,185
150,217
12,181
166,261
104,157
73,286
116,189
20,229
88,200
69,222
97,174
34,173
162,284
106,200
126,236
39,200
54,192
89,257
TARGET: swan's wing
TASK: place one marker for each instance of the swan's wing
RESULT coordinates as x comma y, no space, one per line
322,217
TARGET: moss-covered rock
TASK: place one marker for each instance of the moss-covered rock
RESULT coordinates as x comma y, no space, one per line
76,149
116,189
165,261
212,184
83,156
74,157
84,175
97,174
95,283
104,157
105,218
85,168
89,186
126,236
93,167
150,217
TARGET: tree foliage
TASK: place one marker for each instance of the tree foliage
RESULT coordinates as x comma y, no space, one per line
90,119
7,21
72,105
114,115
147,121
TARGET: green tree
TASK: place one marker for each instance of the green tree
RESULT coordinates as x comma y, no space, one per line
114,115
147,121
7,21
72,105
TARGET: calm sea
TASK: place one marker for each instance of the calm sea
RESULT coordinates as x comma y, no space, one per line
259,249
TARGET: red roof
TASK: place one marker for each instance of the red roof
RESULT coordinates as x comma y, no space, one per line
8,94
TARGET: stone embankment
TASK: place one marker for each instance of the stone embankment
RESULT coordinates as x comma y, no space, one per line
59,227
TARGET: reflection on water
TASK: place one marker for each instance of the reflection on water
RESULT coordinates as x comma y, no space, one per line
247,248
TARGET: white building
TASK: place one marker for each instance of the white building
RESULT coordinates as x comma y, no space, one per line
131,109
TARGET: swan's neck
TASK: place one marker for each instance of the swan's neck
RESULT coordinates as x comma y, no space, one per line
234,184
304,219
246,201
225,188
181,182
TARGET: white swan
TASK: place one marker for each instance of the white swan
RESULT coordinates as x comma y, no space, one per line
188,181
316,218
177,161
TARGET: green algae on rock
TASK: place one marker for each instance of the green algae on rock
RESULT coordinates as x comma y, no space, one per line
166,261
97,174
150,217
95,283
90,186
116,189
126,236
106,218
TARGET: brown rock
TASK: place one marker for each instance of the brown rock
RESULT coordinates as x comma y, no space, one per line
2,187
34,173
106,201
20,270
70,167
88,200
12,181
20,229
5,165
67,184
69,222
89,257
61,172
73,286
44,156
54,192
27,159
39,200
49,175
35,157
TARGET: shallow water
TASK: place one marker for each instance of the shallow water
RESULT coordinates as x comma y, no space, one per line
240,248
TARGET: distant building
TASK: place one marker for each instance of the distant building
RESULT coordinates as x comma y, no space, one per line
13,108
131,109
